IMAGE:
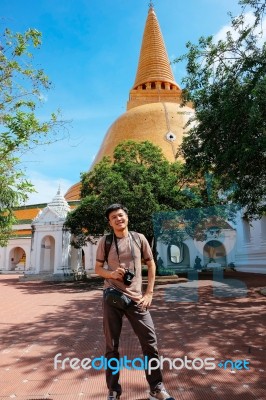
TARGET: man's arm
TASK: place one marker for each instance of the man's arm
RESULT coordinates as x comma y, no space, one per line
147,298
117,274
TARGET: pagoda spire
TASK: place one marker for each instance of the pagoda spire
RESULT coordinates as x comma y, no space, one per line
154,64
154,69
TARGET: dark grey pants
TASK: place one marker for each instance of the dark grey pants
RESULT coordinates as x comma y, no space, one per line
143,327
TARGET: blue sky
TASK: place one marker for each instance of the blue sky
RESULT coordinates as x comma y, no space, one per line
90,52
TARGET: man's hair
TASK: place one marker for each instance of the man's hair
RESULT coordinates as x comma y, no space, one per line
115,207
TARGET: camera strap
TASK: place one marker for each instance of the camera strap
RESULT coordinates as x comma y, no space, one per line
132,250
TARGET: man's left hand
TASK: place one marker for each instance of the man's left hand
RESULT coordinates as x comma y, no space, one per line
145,302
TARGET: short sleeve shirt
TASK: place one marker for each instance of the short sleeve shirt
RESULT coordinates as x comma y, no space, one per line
129,259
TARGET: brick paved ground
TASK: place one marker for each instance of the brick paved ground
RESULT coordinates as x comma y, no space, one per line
194,319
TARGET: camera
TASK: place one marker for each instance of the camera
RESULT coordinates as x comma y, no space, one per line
128,276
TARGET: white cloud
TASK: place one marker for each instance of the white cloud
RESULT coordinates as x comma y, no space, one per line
249,20
46,187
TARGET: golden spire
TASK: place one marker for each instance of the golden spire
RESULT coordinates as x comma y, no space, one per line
154,81
154,63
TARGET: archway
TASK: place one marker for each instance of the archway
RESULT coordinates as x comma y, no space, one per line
17,259
47,254
178,255
214,251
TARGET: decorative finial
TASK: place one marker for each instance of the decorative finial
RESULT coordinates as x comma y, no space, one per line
151,4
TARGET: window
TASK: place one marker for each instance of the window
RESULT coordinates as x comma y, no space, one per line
170,136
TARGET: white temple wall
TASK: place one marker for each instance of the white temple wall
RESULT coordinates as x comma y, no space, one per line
195,248
90,256
251,245
7,254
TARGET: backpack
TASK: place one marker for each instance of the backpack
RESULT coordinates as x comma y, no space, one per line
109,240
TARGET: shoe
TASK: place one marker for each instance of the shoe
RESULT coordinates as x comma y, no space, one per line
160,394
113,395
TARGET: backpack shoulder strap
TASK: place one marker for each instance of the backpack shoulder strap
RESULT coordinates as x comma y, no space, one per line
138,241
107,245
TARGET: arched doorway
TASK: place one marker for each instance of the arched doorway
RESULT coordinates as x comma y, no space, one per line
214,251
17,259
178,255
47,254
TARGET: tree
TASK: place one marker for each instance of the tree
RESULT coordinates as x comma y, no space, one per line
21,91
143,180
226,81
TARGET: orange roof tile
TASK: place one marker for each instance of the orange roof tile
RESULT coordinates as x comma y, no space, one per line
27,213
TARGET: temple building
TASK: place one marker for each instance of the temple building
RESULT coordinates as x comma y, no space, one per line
40,243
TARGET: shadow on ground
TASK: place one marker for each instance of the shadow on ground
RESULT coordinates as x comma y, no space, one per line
40,320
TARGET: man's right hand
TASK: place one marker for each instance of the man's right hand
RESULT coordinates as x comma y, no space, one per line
118,274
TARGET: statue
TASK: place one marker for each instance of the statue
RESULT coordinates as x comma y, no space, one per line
197,263
159,263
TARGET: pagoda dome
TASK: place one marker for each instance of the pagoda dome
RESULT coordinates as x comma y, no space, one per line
73,193
163,124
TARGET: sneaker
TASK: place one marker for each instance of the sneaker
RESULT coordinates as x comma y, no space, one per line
113,396
160,394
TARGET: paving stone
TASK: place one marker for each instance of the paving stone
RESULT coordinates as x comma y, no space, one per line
40,320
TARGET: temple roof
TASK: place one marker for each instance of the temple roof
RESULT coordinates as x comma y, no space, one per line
154,64
59,205
58,208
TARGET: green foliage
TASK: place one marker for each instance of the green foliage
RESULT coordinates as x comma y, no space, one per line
143,180
177,226
21,90
226,81
13,189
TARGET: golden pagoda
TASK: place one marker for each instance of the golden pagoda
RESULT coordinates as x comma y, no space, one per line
153,111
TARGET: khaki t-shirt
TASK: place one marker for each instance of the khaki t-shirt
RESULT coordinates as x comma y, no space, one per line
128,258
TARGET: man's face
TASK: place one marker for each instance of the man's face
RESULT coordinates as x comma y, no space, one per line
118,220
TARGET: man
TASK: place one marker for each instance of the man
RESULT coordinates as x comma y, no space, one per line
123,296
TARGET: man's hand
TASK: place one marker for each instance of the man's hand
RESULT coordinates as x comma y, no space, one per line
145,302
118,274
